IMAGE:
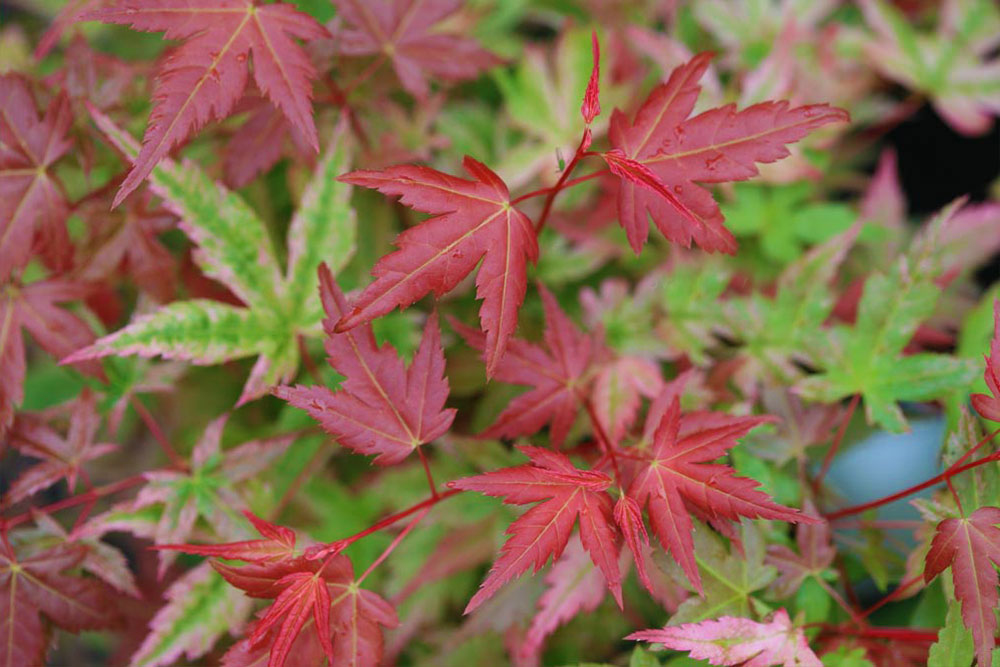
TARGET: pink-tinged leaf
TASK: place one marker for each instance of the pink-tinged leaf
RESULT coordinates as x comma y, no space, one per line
203,78
816,553
731,640
61,457
199,609
617,391
719,145
591,107
474,220
989,405
575,587
33,209
884,203
57,331
405,31
565,493
679,479
208,486
555,375
38,586
968,545
382,408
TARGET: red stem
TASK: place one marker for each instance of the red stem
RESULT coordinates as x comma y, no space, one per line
392,545
392,518
899,590
937,479
157,433
602,435
559,185
427,470
564,186
837,440
86,497
308,361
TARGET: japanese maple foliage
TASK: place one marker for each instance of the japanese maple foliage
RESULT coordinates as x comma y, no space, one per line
539,430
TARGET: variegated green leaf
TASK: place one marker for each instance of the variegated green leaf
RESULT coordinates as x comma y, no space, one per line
201,607
233,243
200,330
234,248
324,229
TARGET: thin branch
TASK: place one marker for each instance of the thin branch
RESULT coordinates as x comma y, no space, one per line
564,186
86,497
933,481
427,470
547,208
392,545
837,440
154,428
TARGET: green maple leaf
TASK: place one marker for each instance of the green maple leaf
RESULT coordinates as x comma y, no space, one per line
777,331
728,578
783,220
954,646
867,358
234,248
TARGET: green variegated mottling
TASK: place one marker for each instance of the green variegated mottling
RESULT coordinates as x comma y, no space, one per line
207,332
201,608
234,248
867,358
324,229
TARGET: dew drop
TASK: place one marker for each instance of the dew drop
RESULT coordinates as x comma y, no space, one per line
678,190
241,57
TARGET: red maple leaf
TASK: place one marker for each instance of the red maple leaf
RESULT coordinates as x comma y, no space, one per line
36,586
263,139
564,493
403,30
989,405
662,155
61,457
677,479
382,407
318,610
33,209
555,375
816,553
731,640
474,220
205,77
129,242
58,332
968,545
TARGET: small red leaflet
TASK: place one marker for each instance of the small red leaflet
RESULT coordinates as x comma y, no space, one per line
474,220
406,31
662,155
678,478
382,407
543,531
318,608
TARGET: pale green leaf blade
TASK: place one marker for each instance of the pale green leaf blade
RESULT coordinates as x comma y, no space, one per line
324,229
954,647
200,330
201,607
233,243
